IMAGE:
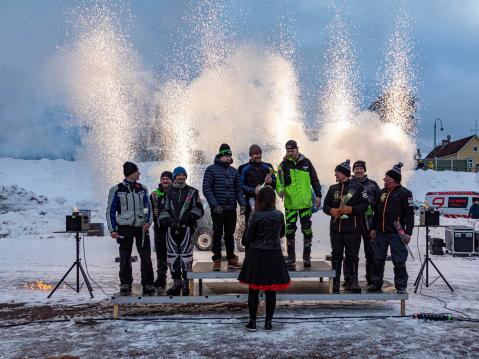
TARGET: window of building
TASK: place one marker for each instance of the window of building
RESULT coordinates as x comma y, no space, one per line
469,163
475,148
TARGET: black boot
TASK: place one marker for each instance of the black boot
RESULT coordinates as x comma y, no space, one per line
149,290
355,288
251,326
268,326
125,289
175,288
185,289
337,279
160,282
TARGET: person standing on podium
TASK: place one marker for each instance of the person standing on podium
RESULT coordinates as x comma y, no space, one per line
345,202
128,216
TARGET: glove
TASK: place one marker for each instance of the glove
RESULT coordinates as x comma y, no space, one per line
218,210
242,210
346,210
335,212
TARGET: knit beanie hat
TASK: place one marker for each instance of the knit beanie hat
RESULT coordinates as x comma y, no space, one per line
291,144
395,172
359,163
129,168
179,170
225,150
255,149
344,168
167,174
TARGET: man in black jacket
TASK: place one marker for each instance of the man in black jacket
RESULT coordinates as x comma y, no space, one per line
157,200
182,210
372,190
345,202
222,190
393,223
253,175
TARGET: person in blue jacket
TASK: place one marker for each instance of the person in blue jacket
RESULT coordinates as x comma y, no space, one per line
253,175
222,190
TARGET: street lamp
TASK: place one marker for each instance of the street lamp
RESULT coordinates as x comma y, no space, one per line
435,152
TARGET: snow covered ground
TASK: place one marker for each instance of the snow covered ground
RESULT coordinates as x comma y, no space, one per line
35,196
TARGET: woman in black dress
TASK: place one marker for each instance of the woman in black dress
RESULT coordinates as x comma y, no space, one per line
264,267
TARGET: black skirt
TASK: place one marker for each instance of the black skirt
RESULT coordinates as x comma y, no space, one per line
264,270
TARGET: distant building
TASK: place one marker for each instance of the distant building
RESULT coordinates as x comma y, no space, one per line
459,155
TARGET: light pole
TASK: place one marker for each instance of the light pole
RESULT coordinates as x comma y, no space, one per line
435,152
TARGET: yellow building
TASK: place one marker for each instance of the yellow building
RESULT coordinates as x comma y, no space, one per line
459,155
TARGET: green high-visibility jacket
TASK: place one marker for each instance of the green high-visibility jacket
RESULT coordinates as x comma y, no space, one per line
295,179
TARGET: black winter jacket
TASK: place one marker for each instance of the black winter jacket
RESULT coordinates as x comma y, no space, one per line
157,200
393,205
253,174
358,201
265,230
222,187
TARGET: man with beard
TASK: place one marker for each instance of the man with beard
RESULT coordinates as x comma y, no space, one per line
253,175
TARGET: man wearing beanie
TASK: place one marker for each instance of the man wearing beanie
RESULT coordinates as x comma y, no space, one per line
299,186
345,202
181,211
128,216
393,223
372,190
253,175
222,190
157,200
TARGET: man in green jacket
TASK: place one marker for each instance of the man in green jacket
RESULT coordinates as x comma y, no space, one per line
299,186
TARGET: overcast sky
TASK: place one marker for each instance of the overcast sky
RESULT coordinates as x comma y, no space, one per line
445,35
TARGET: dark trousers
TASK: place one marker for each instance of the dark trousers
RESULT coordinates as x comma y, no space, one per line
247,216
224,223
399,255
368,254
160,249
127,235
345,245
253,302
179,246
305,220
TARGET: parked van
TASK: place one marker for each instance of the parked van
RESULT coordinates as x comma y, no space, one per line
452,203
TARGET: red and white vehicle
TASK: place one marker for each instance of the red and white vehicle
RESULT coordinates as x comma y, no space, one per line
452,204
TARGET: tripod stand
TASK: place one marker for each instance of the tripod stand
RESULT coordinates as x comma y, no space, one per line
425,265
79,268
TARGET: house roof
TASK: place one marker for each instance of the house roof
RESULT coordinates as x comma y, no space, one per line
450,149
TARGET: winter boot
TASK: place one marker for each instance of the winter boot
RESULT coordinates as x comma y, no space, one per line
375,288
337,279
175,288
290,263
233,263
125,289
160,282
149,290
217,265
355,288
306,263
251,326
268,326
185,289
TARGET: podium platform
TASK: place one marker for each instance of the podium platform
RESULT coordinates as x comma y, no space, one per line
222,287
